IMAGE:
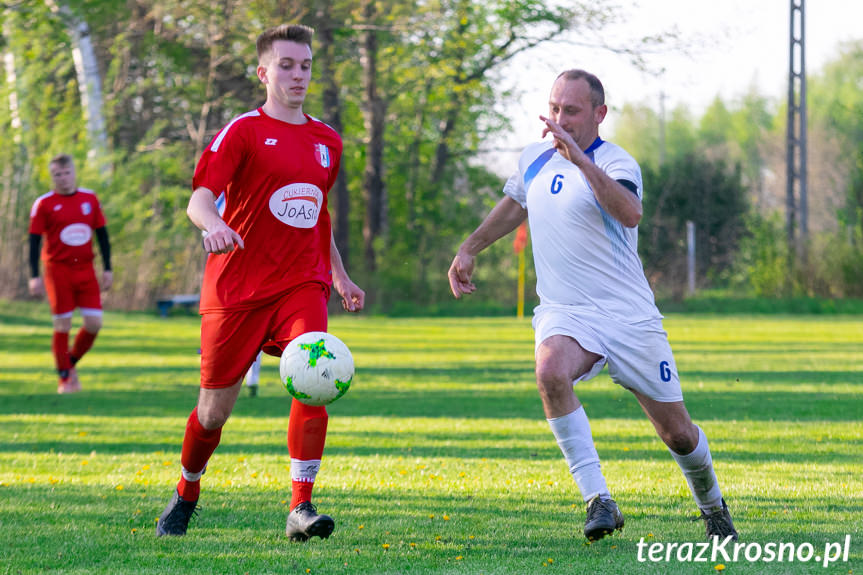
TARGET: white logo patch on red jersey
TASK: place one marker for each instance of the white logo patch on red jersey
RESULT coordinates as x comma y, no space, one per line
86,209
322,155
76,234
297,205
270,142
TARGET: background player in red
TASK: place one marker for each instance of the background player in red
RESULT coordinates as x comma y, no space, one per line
272,260
68,216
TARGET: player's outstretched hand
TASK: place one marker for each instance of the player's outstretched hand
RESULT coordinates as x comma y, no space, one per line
353,298
221,240
107,280
460,273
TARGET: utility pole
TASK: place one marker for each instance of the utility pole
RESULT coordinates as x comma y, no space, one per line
796,137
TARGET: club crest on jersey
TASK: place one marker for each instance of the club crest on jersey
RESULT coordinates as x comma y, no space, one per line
297,205
86,209
322,155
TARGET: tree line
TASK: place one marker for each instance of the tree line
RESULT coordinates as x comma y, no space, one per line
726,172
134,90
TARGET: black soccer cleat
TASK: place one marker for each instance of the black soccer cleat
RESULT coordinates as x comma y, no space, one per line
718,523
304,522
175,518
603,518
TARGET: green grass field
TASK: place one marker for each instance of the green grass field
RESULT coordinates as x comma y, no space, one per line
438,460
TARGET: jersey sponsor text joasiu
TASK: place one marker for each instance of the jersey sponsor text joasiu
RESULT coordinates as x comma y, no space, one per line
275,177
67,222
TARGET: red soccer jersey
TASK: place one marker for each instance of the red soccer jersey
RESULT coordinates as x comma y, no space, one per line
276,177
67,223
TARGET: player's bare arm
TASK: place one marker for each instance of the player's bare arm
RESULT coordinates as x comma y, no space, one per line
504,218
353,298
202,210
622,204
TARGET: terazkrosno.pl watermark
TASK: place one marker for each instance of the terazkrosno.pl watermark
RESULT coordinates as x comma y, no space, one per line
729,551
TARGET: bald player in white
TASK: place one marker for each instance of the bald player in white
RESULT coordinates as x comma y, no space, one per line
582,198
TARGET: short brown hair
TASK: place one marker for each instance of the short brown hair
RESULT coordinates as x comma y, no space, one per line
597,92
61,160
298,33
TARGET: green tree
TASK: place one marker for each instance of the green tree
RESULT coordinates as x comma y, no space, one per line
412,111
639,131
751,126
438,80
714,129
691,188
46,119
840,108
681,136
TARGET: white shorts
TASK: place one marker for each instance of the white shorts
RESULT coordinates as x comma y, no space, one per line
638,354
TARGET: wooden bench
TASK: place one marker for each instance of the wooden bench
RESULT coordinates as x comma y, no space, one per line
186,300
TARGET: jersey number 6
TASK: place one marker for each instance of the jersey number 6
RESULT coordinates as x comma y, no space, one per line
557,183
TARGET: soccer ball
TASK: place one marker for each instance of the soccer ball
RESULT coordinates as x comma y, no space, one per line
317,368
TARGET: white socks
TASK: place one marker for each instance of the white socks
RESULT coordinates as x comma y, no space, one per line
305,471
189,476
697,467
573,435
575,439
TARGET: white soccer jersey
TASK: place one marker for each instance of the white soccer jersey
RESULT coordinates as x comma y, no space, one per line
584,258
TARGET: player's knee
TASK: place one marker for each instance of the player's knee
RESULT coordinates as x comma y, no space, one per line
679,439
213,417
551,381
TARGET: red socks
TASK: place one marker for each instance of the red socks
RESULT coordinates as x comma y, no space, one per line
63,358
60,347
198,445
83,342
307,433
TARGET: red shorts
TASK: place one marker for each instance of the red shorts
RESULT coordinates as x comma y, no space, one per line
231,340
71,286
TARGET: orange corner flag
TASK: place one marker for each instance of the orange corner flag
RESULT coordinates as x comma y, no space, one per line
520,240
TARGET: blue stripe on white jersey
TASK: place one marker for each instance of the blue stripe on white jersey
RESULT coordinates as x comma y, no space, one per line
614,233
532,170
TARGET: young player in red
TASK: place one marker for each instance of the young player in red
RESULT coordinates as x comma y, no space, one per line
272,260
68,216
